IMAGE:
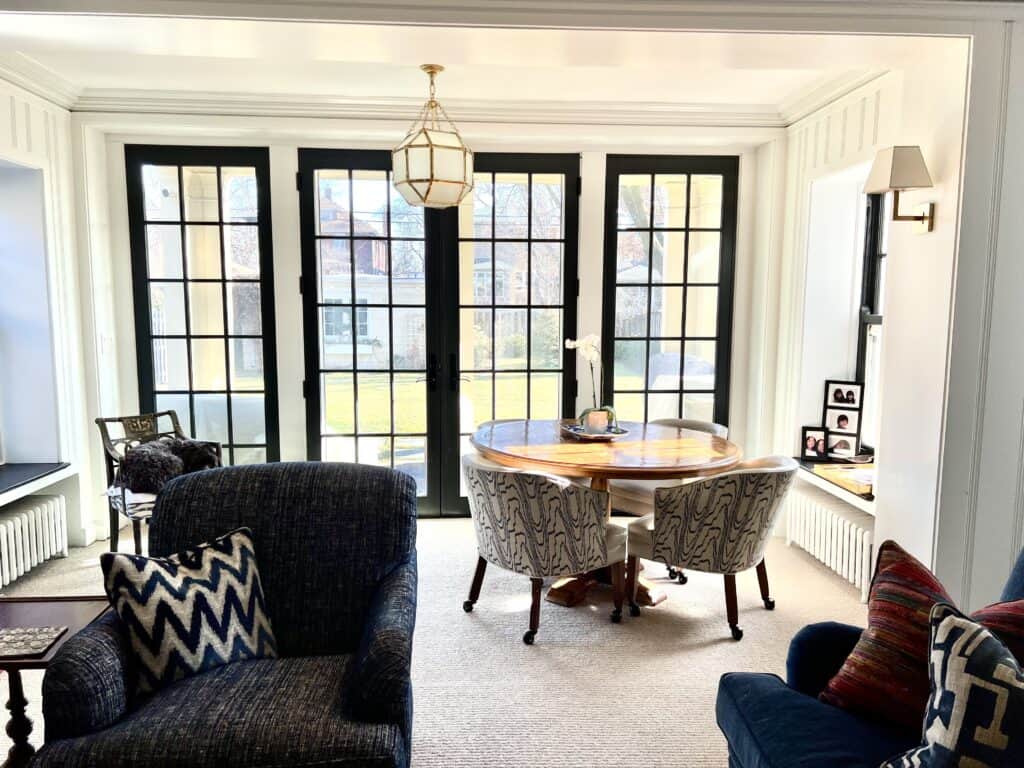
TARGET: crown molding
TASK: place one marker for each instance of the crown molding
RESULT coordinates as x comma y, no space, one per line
405,109
800,105
25,72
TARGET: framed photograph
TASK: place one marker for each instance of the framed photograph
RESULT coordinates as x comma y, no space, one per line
842,420
813,445
841,446
843,394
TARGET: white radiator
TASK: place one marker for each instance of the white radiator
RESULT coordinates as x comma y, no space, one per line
32,531
835,533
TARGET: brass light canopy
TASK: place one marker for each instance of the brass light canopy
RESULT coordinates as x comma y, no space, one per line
432,166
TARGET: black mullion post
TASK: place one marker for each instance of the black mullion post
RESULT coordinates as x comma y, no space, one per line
686,291
494,294
391,318
224,313
529,286
353,314
650,293
187,301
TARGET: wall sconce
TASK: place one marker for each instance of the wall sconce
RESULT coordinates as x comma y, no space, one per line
896,169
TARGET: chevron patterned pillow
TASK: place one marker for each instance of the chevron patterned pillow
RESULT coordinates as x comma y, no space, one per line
975,714
192,611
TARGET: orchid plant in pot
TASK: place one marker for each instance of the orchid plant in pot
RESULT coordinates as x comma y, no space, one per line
600,418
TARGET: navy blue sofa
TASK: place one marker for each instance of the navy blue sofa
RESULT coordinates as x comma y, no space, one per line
335,544
774,724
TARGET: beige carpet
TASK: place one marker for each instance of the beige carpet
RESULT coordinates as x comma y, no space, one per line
589,693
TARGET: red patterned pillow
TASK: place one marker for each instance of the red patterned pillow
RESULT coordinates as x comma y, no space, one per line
1005,621
886,675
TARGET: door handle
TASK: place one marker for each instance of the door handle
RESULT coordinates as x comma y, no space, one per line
431,377
453,373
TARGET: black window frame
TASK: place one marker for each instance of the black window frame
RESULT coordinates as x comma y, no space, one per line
871,282
138,155
726,166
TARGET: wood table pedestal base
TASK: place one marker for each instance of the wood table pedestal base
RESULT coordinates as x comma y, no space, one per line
572,590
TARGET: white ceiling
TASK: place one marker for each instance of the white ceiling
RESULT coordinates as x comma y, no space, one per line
102,56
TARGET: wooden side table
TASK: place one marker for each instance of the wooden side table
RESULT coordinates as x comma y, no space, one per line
75,613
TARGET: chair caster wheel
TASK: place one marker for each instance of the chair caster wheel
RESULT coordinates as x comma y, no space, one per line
769,604
634,609
467,606
681,578
529,635
672,572
737,633
617,616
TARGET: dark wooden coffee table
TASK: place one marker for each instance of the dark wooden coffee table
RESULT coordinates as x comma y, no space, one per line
75,613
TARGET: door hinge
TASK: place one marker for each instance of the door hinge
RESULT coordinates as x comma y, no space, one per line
579,186
302,284
577,287
305,390
298,180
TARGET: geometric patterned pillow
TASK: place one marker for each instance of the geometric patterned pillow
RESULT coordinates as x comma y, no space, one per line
975,714
192,611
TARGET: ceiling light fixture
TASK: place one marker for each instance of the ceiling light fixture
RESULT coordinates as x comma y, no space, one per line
432,166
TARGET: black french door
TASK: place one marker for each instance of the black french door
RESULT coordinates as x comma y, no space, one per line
420,324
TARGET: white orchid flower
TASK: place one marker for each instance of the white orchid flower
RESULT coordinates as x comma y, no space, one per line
589,347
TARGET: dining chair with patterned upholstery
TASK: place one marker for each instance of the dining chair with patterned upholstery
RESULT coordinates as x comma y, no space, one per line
540,526
636,497
719,525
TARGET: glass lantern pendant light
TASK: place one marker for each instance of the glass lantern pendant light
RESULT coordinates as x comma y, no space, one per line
432,166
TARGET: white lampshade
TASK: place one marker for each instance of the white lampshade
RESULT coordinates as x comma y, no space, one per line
898,168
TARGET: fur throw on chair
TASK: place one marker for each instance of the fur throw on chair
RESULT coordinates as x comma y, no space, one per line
148,466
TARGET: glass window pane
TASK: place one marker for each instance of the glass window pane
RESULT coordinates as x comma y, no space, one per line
546,273
338,449
370,193
475,339
373,403
202,249
631,311
547,209
160,193
670,200
510,395
410,403
244,309
629,406
476,209
634,201
702,261
163,251
238,188
248,456
666,311
371,257
406,220
167,309
475,273
246,363
546,340
241,251
409,331
630,359
170,364
662,405
669,255
699,365
510,273
336,337
180,405
372,348
408,272
663,364
208,368
206,308
511,205
410,456
332,203
337,403
632,257
375,451
211,417
545,395
200,185
699,406
510,338
248,418
701,311
476,396
706,202
335,271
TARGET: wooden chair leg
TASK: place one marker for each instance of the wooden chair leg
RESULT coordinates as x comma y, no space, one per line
618,588
474,590
531,633
115,528
137,534
632,581
731,608
762,582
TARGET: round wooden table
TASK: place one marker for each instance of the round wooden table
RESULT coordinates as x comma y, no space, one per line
648,452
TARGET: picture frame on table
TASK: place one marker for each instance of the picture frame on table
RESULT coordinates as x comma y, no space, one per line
844,394
842,420
813,444
841,445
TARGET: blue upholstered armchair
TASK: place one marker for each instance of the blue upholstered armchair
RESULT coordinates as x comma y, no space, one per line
774,724
335,544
